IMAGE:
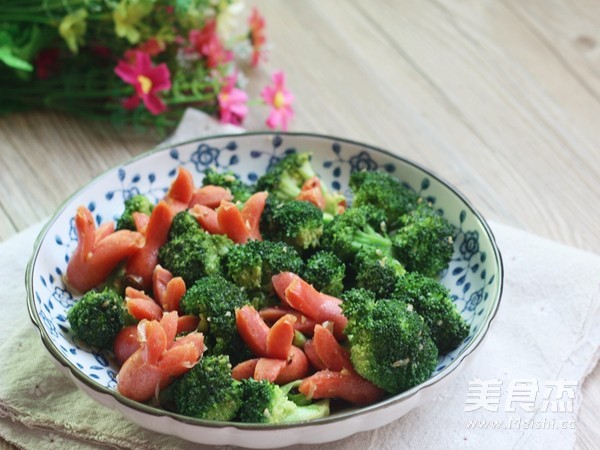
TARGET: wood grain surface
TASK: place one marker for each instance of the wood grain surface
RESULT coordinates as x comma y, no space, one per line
502,99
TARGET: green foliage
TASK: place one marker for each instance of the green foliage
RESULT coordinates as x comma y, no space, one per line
215,299
137,203
390,344
97,317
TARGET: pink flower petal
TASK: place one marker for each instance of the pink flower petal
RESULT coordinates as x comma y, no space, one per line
154,104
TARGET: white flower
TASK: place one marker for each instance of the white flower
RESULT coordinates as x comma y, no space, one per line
227,19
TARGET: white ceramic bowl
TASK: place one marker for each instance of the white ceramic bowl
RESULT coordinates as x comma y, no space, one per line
474,276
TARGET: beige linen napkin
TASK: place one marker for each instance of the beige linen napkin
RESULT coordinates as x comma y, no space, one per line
545,340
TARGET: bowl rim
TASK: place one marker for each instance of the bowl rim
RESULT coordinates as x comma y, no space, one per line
339,416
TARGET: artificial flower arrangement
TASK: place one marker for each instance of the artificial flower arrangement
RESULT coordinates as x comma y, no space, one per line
140,62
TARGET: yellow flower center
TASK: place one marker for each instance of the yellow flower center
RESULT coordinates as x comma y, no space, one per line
278,100
145,83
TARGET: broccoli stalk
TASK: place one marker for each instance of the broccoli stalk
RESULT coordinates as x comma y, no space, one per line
265,402
390,344
355,230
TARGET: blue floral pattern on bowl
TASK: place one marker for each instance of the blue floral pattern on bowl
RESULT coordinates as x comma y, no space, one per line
474,276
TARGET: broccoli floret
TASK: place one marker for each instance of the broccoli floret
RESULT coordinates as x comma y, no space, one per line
384,192
207,391
431,299
240,191
137,203
284,179
265,402
390,344
357,229
98,317
192,253
215,299
424,243
183,223
297,223
252,265
325,272
377,272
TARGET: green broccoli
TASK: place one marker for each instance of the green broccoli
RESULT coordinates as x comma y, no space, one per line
265,402
207,391
390,344
240,191
252,265
215,299
97,317
424,243
357,229
384,192
182,224
325,272
431,299
377,272
192,253
137,203
284,180
297,223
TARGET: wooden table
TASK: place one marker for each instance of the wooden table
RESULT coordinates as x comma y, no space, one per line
500,98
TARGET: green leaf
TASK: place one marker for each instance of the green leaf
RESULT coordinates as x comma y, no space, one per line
11,60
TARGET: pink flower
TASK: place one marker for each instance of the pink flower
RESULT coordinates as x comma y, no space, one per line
233,106
209,45
257,36
147,80
280,100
